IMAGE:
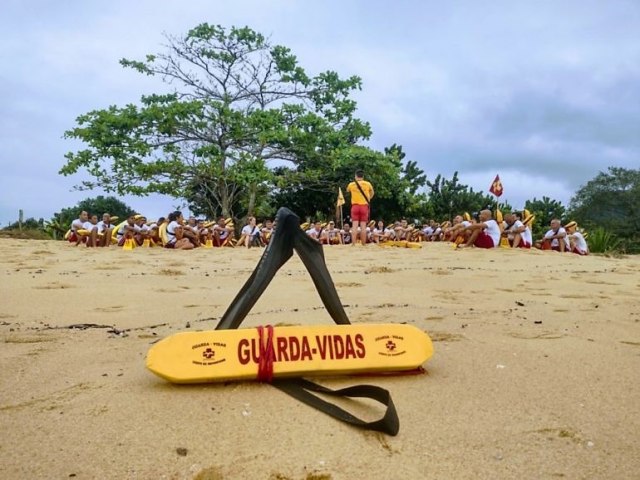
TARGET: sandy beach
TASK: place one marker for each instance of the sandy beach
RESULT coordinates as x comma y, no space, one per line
535,371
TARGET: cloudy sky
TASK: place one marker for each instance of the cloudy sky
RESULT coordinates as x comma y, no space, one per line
545,93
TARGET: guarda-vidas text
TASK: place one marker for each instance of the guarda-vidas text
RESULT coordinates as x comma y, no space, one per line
293,349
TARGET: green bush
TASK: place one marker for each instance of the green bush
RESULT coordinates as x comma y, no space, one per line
602,241
26,233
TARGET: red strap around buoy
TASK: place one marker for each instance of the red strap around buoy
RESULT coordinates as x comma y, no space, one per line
267,354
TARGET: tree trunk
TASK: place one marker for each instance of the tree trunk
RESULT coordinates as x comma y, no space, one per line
252,199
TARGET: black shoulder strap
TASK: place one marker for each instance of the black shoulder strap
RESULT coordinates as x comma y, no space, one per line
301,389
362,192
285,239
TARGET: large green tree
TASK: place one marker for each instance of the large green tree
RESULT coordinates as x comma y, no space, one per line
236,103
611,200
448,198
99,205
311,188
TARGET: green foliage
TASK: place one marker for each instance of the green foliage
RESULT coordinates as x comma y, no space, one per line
545,210
239,103
448,198
603,241
25,234
611,200
28,224
31,229
311,189
99,205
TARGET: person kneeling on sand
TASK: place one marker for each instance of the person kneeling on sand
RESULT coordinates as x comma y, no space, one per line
556,238
577,242
485,233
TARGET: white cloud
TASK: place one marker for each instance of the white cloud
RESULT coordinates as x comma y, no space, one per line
545,94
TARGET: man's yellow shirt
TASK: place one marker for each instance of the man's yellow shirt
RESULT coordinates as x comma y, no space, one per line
356,195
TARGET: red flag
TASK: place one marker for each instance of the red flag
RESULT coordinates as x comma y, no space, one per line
496,186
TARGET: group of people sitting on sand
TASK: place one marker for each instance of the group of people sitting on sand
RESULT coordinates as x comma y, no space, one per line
170,232
512,230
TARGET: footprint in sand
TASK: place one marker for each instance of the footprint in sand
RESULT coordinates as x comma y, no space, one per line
18,339
54,286
538,336
112,308
601,282
170,272
53,400
381,269
215,473
439,271
447,295
176,264
444,336
348,284
554,433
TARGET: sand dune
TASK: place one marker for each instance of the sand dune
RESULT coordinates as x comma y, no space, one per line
535,371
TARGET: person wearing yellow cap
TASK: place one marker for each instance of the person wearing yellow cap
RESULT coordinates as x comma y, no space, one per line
577,242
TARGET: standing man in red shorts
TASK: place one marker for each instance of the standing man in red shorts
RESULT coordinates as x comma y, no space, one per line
361,194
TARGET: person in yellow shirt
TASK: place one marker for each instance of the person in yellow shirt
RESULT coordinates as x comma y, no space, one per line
361,194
